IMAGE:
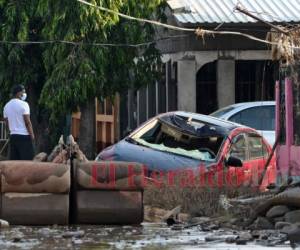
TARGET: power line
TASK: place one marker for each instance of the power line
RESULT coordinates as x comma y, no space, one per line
76,43
126,45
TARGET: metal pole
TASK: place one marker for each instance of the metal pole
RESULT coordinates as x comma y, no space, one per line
244,11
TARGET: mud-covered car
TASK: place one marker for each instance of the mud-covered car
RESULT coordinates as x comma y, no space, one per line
182,140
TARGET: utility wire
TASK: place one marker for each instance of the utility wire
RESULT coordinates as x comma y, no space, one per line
76,43
93,44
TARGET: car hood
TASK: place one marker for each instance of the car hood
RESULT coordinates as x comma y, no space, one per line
151,158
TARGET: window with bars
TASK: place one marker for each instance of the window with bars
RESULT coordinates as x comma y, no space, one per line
255,80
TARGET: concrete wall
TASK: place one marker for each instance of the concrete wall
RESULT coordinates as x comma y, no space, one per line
189,62
187,85
225,82
188,41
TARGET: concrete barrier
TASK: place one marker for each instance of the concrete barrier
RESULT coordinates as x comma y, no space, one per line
35,193
109,176
108,192
39,193
109,207
34,177
35,209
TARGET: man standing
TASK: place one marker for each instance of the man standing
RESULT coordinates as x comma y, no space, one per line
17,115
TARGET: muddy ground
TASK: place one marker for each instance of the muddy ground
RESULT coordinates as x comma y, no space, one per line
147,236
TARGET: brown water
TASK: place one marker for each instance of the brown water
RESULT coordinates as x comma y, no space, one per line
147,237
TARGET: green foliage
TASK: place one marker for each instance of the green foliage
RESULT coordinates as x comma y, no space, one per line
19,64
64,75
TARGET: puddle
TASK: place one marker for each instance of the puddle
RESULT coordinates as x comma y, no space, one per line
147,237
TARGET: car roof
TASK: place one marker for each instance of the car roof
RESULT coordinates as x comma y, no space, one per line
228,111
206,119
253,104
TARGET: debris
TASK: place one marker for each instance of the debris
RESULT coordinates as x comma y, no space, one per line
224,202
292,216
241,242
212,227
278,219
231,239
171,221
199,220
213,238
261,223
177,227
57,149
62,153
153,214
17,237
280,210
245,236
289,197
281,225
75,150
277,211
41,157
172,214
289,228
4,223
45,232
294,236
62,157
77,234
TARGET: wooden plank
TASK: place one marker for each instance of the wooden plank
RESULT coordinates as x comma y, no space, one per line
76,115
105,118
96,123
104,136
116,127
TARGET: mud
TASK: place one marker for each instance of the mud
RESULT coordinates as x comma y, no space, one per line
149,236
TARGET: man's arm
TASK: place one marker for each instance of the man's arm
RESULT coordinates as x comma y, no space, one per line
28,125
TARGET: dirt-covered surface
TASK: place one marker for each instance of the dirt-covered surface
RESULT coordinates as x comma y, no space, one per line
148,236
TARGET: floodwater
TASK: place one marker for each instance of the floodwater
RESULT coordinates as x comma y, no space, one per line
148,236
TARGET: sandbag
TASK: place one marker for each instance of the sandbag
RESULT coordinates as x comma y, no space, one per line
109,176
35,209
109,207
289,197
34,177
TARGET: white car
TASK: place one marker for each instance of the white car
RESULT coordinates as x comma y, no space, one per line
257,115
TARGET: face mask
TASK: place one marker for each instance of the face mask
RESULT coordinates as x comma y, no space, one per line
24,96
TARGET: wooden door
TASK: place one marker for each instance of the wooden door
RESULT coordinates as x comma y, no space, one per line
107,123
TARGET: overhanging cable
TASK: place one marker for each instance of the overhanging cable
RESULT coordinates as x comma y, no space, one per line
95,44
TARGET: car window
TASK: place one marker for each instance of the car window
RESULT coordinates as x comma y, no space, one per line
185,137
268,116
238,148
222,111
257,148
260,118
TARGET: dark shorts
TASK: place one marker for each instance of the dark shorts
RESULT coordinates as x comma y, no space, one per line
21,147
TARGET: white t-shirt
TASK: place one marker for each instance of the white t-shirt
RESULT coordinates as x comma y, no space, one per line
14,111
